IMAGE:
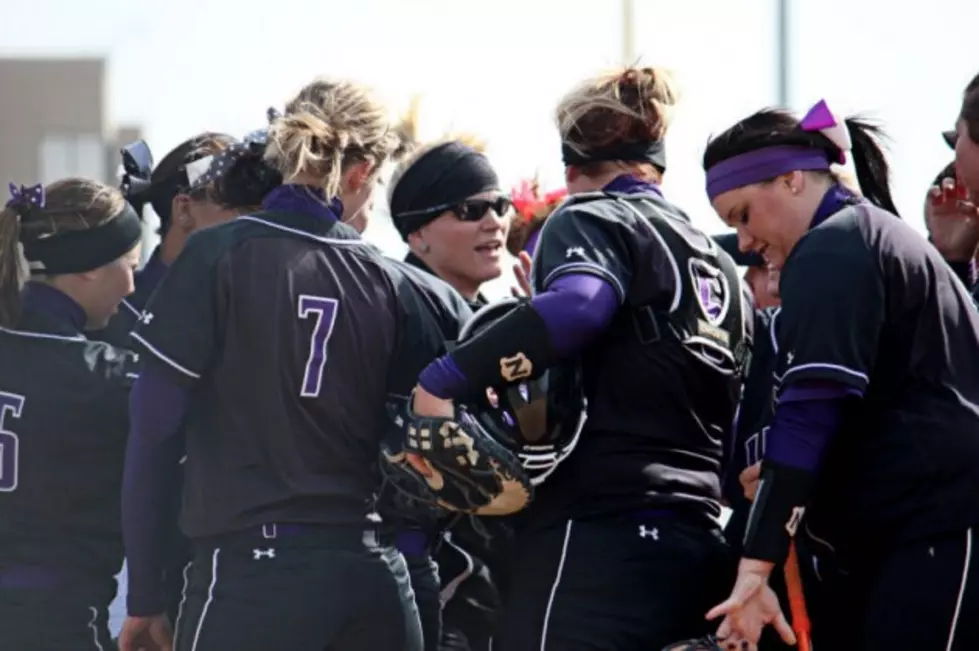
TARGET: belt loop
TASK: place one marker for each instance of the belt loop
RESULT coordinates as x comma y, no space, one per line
269,531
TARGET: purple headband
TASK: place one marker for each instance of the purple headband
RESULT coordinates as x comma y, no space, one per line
770,162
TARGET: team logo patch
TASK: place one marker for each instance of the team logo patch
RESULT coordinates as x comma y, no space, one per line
516,367
711,290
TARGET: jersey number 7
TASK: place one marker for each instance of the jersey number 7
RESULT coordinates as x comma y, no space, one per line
10,405
325,310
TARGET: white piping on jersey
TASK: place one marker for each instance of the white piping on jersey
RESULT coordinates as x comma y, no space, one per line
210,598
129,306
677,291
156,351
965,581
43,335
590,268
296,231
832,367
557,582
248,218
771,329
183,602
92,624
450,588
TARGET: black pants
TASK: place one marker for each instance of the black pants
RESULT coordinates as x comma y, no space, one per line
469,597
613,585
916,597
313,589
425,584
62,619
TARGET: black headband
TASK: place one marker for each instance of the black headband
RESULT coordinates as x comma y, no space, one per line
68,252
447,174
646,152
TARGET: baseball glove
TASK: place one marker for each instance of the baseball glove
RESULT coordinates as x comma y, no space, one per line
466,470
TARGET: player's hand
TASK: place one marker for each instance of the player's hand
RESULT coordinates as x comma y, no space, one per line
425,404
749,480
521,271
952,219
146,634
751,607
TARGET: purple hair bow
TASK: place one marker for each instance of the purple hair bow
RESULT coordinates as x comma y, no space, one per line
820,118
26,197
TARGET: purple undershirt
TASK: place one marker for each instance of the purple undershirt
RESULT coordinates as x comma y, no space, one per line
629,184
156,408
806,419
576,308
152,272
303,199
836,199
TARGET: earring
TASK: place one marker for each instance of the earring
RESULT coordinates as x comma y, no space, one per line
425,248
795,190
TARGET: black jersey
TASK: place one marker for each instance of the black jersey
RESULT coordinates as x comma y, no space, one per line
287,324
868,303
663,381
64,420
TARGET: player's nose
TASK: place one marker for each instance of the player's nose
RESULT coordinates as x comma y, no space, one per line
746,242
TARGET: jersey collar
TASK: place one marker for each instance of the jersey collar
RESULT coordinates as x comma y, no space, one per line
412,259
53,306
303,199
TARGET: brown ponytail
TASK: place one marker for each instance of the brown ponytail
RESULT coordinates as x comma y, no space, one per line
12,268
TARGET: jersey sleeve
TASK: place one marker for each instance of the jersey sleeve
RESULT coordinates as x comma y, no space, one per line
431,316
177,327
832,310
579,239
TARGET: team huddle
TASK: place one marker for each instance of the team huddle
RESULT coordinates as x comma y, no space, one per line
298,443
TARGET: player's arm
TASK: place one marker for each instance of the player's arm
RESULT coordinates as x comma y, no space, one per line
829,325
157,404
582,273
175,336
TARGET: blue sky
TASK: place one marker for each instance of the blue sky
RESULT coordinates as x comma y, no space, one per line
178,67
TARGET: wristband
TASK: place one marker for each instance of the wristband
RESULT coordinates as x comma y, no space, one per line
776,512
514,348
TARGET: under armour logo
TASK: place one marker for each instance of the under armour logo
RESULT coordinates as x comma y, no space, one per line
145,317
648,533
575,251
259,554
789,358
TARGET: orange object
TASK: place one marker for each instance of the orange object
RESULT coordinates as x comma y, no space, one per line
797,601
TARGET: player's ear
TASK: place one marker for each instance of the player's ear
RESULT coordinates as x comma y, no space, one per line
358,175
417,241
571,173
182,217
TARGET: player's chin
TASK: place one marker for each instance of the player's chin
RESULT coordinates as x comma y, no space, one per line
486,268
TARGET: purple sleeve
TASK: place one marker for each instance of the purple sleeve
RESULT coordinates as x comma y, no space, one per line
157,406
575,309
805,421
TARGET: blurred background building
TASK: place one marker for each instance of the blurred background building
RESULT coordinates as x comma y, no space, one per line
54,120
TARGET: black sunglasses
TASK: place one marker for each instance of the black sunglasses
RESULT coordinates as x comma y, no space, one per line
473,210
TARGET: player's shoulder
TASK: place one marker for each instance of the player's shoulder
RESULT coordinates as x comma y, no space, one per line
611,208
846,235
418,289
